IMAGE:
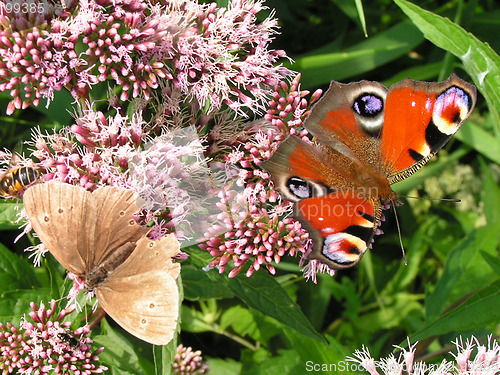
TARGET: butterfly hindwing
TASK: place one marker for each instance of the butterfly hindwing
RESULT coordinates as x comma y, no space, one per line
64,219
341,225
141,294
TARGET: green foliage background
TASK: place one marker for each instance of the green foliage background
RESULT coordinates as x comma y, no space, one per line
270,325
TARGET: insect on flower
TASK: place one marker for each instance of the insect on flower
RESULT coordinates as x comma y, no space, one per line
69,339
17,177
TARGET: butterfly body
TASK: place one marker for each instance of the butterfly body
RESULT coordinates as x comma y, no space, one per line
94,236
368,138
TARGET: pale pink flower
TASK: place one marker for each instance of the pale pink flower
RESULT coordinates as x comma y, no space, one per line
44,344
189,362
485,362
214,56
255,224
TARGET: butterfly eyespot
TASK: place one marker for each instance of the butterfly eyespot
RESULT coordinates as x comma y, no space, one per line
46,219
151,305
151,244
450,109
368,105
60,210
131,222
300,188
144,321
122,213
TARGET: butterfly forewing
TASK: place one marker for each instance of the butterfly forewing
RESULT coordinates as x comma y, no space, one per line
115,225
149,311
64,219
420,118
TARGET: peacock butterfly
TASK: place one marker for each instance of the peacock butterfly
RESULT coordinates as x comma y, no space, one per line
368,137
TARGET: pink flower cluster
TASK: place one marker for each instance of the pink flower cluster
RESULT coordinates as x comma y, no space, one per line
256,224
190,65
485,362
171,175
189,362
103,159
213,55
46,345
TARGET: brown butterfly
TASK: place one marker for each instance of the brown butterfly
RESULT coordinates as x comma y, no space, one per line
94,236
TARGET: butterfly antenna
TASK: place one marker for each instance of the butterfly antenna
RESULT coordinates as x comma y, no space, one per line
399,233
433,199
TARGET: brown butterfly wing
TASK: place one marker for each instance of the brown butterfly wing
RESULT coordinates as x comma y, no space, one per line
63,216
141,294
115,225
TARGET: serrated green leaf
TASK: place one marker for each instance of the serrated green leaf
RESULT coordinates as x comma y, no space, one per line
480,310
480,60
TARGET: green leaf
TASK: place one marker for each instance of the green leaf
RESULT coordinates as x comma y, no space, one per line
240,319
226,366
263,293
480,140
197,285
8,214
493,261
315,352
321,66
480,60
16,272
164,357
285,362
490,194
479,311
119,353
396,308
460,260
13,305
361,14
193,321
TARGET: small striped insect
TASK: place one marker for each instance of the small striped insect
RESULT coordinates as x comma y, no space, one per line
17,178
69,339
